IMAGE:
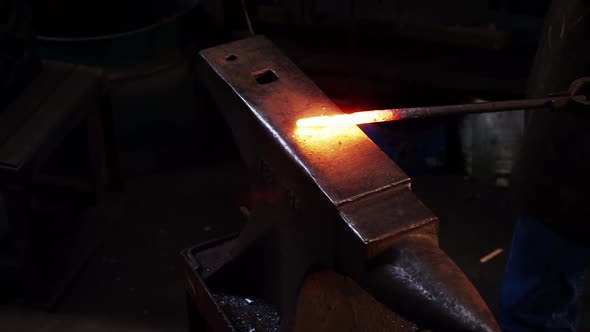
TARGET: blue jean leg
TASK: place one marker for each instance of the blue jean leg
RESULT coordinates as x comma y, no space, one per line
543,281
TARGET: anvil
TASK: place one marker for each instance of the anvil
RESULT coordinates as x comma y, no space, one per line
344,230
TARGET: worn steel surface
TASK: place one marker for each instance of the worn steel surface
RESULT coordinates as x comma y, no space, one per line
326,157
343,164
344,201
432,287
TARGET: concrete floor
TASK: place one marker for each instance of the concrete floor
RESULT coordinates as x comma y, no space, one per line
134,282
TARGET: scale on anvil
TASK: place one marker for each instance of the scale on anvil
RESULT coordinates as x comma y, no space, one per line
347,246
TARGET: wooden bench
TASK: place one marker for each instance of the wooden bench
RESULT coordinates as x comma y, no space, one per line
57,159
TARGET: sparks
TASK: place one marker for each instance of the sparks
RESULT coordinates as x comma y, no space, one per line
349,119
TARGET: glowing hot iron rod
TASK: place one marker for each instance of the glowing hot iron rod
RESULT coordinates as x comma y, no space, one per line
396,114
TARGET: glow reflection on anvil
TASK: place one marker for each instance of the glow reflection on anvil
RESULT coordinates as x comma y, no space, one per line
327,140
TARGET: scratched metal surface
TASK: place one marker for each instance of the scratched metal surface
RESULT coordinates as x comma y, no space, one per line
377,219
344,163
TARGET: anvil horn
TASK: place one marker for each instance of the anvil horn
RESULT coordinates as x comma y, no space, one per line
415,278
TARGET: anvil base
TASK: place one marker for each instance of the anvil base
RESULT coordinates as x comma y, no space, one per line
234,301
226,303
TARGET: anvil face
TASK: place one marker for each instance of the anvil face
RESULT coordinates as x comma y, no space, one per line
346,205
342,163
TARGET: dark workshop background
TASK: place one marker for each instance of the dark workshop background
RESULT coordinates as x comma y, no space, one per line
114,264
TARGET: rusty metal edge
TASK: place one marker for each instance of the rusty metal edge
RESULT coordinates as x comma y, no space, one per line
200,293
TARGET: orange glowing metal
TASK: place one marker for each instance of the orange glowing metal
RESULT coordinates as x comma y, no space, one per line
350,119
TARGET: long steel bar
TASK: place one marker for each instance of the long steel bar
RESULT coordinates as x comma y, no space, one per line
396,114
484,107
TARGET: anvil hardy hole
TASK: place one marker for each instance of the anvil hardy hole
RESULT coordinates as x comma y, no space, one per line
231,57
265,76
